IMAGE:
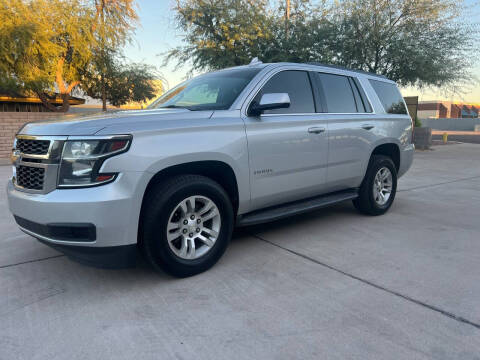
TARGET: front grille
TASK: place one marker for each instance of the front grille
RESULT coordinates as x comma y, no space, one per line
33,147
30,177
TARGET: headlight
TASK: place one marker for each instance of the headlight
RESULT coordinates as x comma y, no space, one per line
82,160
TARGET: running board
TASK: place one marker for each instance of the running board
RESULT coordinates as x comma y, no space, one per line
295,208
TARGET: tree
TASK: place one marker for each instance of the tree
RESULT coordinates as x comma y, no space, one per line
117,82
45,43
115,21
419,43
221,33
414,42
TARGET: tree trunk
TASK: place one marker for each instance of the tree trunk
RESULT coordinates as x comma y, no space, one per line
66,103
44,99
64,91
104,93
103,72
287,17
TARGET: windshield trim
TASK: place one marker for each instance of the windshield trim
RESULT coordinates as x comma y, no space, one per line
154,103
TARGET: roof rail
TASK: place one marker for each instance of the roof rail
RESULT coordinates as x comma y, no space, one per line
347,69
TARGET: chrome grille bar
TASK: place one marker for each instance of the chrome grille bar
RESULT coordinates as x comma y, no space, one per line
36,160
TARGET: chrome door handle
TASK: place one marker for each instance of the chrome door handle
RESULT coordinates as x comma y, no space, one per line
367,126
316,130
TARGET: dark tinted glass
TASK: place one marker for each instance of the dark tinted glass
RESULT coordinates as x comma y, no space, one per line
338,93
213,91
366,103
390,97
358,98
297,85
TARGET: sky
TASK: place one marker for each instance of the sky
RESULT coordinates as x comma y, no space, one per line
158,33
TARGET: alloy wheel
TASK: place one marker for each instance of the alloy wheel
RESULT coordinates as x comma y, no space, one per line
382,186
193,227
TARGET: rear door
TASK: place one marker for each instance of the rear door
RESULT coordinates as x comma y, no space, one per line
287,147
351,126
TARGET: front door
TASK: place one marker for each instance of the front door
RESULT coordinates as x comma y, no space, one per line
288,148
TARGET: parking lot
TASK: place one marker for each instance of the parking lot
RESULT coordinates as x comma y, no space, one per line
332,284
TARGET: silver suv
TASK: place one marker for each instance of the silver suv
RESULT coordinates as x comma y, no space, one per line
235,147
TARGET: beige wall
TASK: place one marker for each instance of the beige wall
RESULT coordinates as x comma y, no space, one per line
10,122
427,114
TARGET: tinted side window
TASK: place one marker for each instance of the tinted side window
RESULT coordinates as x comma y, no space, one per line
390,97
366,103
358,97
338,93
297,85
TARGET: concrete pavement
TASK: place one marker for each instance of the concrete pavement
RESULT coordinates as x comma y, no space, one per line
332,284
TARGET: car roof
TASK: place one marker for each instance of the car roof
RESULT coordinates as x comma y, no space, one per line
335,67
347,69
260,66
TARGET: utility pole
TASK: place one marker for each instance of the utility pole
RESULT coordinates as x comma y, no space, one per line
287,17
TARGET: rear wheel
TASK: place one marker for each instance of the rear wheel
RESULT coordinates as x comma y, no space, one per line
187,225
378,188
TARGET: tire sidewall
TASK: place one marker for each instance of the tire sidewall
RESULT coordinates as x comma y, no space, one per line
155,233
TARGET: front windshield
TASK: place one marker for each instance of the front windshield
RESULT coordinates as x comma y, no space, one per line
212,91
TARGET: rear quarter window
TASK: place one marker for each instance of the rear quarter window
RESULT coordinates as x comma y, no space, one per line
390,97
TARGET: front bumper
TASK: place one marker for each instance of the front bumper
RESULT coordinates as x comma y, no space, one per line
112,210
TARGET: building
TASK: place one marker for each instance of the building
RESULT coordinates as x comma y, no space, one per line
412,105
447,109
19,103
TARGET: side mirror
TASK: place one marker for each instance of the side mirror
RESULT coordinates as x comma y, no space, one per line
270,102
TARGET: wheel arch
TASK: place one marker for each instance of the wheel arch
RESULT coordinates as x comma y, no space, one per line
390,149
218,171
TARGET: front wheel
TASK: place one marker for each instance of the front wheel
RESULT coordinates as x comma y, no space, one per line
378,188
187,225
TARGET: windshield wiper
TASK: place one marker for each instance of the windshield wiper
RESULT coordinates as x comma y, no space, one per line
174,107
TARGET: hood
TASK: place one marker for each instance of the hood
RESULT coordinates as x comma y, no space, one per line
121,121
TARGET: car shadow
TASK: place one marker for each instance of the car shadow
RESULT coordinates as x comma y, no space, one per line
143,272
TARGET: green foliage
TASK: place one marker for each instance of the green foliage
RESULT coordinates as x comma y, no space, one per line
413,42
221,33
115,21
23,36
47,44
419,43
120,82
418,123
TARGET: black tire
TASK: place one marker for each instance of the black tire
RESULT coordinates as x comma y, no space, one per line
365,203
161,201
